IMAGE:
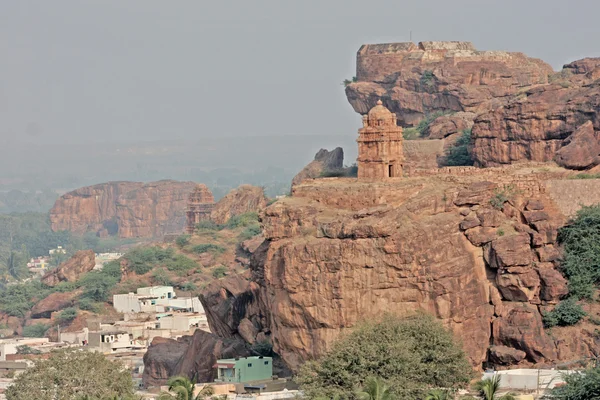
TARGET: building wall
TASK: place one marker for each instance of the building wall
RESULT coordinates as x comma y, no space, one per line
258,371
158,291
126,303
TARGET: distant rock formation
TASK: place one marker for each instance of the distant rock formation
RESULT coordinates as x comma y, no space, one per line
125,209
246,198
71,270
324,161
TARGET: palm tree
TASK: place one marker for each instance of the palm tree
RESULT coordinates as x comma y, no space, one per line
375,389
183,389
489,387
437,394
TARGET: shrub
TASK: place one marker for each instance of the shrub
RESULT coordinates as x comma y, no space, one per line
346,82
411,134
67,315
160,277
410,354
88,305
208,226
219,272
501,196
242,220
208,247
180,263
581,243
112,269
27,350
459,154
581,385
182,240
97,286
188,287
349,172
250,232
264,348
37,330
566,313
427,78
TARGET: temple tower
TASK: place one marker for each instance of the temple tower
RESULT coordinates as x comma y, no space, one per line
380,139
199,207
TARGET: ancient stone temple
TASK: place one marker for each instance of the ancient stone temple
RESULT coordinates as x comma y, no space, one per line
380,145
199,207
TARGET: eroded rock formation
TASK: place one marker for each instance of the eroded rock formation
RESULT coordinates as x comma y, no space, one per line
126,209
324,161
71,270
246,198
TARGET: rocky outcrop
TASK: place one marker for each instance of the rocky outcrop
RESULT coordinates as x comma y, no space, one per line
54,302
126,209
555,121
416,80
245,198
71,270
324,161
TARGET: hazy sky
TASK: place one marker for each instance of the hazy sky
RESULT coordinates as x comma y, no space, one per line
84,70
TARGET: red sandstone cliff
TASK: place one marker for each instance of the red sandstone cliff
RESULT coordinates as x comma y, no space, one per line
128,209
243,199
340,251
518,107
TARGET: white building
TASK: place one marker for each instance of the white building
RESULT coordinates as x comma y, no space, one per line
161,292
113,341
155,299
9,346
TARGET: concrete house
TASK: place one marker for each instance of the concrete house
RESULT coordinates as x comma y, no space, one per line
246,369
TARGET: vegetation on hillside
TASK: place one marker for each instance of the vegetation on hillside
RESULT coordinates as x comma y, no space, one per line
581,243
584,385
72,375
417,131
345,172
411,355
460,153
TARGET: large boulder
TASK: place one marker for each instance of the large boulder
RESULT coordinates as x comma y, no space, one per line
581,150
245,198
71,270
55,302
324,161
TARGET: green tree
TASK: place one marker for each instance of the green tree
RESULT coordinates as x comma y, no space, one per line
411,354
566,313
488,389
67,315
375,389
72,375
583,385
460,154
36,330
183,388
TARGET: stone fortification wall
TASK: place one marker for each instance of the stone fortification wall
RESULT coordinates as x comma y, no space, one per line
570,194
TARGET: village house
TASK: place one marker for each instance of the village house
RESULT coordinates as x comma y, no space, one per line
155,299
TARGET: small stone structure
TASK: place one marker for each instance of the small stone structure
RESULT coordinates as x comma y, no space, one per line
200,205
380,145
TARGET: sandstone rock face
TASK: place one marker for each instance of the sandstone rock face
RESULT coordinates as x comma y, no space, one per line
71,270
324,161
558,120
126,209
245,198
414,81
340,251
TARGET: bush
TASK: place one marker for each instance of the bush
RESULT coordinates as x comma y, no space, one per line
581,385
566,313
36,331
187,287
585,176
581,243
27,350
410,354
161,278
242,220
345,172
460,154
346,82
182,240
501,196
250,232
219,272
67,315
427,79
208,248
262,348
97,286
88,305
208,226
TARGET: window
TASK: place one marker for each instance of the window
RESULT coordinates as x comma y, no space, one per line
266,363
249,365
153,302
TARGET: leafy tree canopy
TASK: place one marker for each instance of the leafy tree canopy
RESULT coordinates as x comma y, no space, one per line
579,386
72,375
412,355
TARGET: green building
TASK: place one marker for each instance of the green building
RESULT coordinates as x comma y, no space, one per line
246,369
